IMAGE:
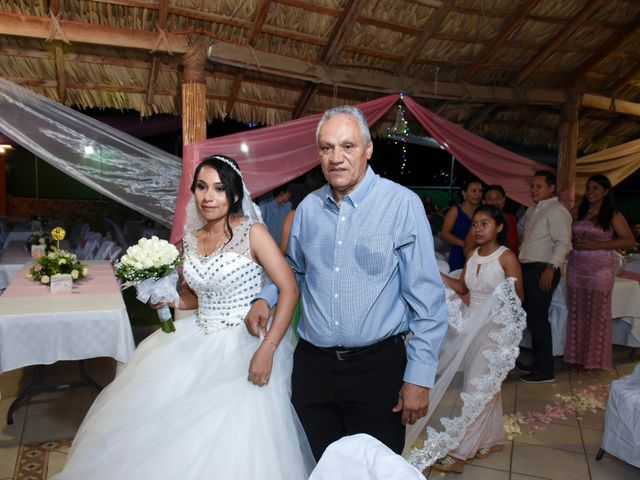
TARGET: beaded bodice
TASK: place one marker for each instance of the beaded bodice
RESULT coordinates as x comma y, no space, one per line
225,282
482,275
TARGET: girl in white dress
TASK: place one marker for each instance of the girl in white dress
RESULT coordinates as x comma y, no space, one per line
209,401
465,412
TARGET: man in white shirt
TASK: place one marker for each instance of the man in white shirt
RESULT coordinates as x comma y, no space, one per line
546,242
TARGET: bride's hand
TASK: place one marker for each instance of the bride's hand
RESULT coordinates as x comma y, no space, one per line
261,363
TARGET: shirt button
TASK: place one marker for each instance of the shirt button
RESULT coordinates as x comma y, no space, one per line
339,242
343,218
337,269
337,323
336,295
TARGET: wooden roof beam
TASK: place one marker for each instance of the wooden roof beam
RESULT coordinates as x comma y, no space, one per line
233,92
30,26
432,26
342,30
626,78
337,40
262,9
480,116
516,21
559,39
163,6
60,75
304,100
612,44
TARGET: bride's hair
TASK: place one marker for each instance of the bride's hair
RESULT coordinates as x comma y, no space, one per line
498,217
229,174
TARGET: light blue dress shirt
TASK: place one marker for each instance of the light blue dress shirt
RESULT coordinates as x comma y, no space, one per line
367,271
273,215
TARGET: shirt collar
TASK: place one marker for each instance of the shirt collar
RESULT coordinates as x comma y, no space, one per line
357,195
547,201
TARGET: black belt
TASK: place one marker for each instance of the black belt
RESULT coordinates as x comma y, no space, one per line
349,354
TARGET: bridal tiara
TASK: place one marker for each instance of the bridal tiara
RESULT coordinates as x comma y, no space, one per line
228,162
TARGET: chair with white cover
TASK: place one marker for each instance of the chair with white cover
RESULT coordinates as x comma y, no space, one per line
362,457
621,436
115,232
102,253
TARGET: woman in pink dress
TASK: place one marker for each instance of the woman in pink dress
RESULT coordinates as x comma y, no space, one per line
598,230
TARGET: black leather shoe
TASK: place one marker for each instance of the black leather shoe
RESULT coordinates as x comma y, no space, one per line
537,378
524,368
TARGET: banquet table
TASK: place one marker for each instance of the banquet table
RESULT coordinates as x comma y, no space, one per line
22,231
625,313
37,328
13,259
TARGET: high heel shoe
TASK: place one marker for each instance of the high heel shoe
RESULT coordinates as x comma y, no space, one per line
449,464
485,451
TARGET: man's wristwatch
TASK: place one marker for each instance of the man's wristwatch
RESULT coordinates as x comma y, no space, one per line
551,265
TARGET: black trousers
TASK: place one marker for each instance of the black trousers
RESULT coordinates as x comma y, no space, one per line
335,398
536,304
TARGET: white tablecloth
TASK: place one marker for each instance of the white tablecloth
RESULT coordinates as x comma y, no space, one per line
39,328
625,311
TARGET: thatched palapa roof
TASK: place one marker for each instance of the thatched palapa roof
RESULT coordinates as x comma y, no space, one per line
501,68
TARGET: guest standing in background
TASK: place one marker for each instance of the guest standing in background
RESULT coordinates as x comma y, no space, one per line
598,229
544,248
495,195
457,221
274,209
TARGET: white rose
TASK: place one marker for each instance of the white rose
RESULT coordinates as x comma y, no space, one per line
51,255
42,240
29,276
62,261
74,274
44,279
85,270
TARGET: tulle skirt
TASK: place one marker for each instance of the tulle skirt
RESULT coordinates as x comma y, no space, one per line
182,408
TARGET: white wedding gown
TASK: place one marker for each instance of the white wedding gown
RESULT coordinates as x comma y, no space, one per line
182,408
481,346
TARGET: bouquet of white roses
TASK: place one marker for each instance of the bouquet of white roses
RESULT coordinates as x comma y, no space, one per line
150,266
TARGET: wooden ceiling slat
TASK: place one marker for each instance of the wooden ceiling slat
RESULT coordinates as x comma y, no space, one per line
233,93
560,38
163,6
433,24
514,23
622,81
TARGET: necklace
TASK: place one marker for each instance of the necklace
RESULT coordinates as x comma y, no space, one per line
221,243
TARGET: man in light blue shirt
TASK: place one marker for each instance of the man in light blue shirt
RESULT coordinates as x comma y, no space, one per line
362,251
275,209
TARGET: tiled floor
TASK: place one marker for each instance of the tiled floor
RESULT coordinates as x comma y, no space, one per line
564,449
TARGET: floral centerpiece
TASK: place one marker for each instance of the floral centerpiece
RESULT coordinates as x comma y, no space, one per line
57,262
150,266
38,238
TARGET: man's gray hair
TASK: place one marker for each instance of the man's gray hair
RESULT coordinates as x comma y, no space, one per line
355,112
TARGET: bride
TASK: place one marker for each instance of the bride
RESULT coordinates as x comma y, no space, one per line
210,400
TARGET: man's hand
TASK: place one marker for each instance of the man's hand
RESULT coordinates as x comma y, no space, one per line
546,279
257,318
413,401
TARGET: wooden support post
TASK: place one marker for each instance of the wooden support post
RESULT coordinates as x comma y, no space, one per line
568,150
194,92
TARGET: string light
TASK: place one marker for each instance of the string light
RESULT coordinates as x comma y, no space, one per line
400,129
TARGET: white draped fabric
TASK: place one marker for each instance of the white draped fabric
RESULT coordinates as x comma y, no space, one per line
117,165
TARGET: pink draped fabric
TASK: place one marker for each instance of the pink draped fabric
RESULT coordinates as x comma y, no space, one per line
268,156
489,162
271,156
